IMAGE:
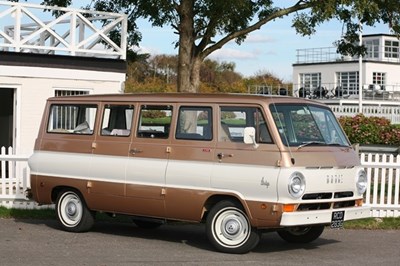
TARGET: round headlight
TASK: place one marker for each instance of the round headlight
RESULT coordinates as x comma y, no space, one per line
297,185
362,182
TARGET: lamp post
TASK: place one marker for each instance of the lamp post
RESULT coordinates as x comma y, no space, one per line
360,75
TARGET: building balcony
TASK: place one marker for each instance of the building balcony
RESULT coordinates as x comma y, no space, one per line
331,91
28,28
330,55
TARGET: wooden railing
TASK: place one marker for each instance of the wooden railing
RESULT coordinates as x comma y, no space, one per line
33,29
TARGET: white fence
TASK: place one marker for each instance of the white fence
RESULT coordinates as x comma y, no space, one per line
14,179
389,112
384,184
382,196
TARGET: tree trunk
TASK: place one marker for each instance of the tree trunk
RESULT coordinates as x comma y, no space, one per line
186,47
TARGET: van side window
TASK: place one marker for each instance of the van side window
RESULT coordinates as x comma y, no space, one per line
233,120
72,119
194,123
117,120
154,121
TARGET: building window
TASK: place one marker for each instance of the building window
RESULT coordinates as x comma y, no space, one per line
309,83
310,80
59,93
372,47
392,49
347,82
379,78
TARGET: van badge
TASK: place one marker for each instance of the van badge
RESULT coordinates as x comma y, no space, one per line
264,182
334,179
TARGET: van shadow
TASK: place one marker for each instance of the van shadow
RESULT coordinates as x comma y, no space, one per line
189,234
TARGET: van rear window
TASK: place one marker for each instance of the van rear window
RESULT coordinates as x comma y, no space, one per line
72,119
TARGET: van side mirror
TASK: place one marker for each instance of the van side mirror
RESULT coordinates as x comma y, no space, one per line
249,136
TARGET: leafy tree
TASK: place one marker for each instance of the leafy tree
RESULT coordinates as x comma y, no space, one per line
204,26
267,82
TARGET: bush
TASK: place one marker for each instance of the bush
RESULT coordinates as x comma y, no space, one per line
370,130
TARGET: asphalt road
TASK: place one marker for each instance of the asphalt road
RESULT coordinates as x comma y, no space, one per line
36,242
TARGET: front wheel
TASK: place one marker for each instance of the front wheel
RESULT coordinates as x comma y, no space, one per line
229,230
301,234
72,212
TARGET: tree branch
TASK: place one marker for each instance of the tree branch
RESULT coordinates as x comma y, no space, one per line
300,5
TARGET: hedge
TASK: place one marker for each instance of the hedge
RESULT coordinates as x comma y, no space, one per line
370,130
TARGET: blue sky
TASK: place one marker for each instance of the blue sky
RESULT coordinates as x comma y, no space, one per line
270,49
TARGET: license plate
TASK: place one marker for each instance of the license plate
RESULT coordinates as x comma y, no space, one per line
337,219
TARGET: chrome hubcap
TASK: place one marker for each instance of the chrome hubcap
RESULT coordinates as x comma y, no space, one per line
232,227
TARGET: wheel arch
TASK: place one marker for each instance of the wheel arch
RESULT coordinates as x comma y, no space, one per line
58,189
214,199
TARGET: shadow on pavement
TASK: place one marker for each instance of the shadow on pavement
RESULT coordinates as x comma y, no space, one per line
190,234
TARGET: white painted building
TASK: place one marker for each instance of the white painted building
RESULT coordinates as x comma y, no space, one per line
42,56
324,74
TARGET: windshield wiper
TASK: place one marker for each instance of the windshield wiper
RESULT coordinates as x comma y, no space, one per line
318,143
311,143
338,145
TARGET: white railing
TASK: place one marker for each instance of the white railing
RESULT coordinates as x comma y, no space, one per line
389,112
382,195
383,172
347,90
330,54
14,178
32,28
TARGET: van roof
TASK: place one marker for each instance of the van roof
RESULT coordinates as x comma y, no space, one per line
184,97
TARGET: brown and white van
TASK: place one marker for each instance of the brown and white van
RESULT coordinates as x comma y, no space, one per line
239,163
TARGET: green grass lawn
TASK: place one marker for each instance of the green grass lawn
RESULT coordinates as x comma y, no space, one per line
374,223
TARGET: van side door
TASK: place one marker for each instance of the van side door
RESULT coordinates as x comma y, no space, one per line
249,170
190,162
148,158
110,157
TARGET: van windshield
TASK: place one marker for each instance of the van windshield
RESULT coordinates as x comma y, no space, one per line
301,125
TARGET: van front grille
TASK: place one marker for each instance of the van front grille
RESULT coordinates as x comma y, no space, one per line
314,196
328,195
345,194
308,205
326,205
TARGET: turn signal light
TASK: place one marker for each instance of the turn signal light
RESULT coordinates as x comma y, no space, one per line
359,202
289,207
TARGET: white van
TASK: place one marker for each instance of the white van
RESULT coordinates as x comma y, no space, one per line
239,163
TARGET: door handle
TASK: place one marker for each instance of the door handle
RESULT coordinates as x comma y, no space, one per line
134,151
222,155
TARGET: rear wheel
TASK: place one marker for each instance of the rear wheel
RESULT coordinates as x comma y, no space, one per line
301,234
229,230
72,212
